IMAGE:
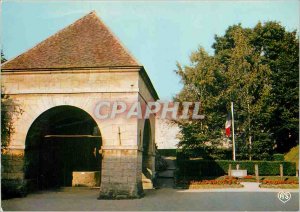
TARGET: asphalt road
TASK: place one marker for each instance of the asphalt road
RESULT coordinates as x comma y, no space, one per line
165,199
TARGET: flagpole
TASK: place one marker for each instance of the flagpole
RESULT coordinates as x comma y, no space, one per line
233,141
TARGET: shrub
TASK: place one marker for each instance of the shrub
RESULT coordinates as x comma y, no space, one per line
214,154
196,168
278,157
167,152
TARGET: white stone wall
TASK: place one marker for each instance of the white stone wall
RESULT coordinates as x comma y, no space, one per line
166,134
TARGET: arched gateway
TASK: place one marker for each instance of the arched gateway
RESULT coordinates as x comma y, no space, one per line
57,84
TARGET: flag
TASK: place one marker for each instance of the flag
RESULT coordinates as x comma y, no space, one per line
228,125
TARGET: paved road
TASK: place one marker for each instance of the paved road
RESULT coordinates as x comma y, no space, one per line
160,199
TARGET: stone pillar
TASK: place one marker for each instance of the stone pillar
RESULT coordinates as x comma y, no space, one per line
121,174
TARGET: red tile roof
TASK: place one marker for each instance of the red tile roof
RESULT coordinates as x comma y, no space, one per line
86,43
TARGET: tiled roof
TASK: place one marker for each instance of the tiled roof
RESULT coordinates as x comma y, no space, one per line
86,43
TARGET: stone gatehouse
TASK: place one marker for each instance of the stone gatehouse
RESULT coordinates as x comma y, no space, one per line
57,137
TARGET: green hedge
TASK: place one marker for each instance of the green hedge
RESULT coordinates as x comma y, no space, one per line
216,154
278,157
198,168
167,152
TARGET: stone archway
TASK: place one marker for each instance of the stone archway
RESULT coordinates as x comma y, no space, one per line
79,77
62,142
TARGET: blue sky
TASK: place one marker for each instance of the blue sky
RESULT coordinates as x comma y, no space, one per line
157,33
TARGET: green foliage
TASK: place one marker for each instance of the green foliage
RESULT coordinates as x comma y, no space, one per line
278,157
2,57
199,168
216,154
167,152
293,156
257,69
9,110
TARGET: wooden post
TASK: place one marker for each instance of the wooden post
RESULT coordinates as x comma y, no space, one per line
281,171
229,170
256,173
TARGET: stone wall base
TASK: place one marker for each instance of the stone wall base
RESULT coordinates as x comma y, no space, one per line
13,188
121,191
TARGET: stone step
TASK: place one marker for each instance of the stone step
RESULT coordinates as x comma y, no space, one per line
145,180
166,174
165,182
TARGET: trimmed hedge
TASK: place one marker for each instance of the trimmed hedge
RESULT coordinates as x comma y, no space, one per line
216,154
278,157
198,168
167,152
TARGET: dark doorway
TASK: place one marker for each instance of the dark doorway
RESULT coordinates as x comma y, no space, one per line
62,140
146,149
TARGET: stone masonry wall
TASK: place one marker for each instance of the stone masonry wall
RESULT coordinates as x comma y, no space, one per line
36,92
121,174
12,174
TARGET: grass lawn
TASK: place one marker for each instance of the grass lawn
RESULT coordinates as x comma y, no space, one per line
209,183
196,183
261,178
287,182
283,186
278,178
212,186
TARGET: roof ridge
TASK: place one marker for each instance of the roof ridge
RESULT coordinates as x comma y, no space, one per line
91,17
116,37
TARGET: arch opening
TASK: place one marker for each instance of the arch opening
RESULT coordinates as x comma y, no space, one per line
61,141
147,157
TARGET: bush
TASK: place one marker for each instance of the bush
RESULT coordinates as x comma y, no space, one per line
167,152
278,157
212,154
197,168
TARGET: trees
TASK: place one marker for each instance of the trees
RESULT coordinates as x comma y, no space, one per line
2,57
9,109
255,68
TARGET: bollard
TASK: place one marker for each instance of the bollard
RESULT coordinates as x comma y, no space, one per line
237,166
229,170
281,171
256,173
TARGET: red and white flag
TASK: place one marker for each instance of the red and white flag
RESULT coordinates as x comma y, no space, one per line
228,125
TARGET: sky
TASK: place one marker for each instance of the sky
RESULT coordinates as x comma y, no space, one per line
157,33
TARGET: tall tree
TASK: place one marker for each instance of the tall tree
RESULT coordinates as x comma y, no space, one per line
279,49
2,57
245,68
